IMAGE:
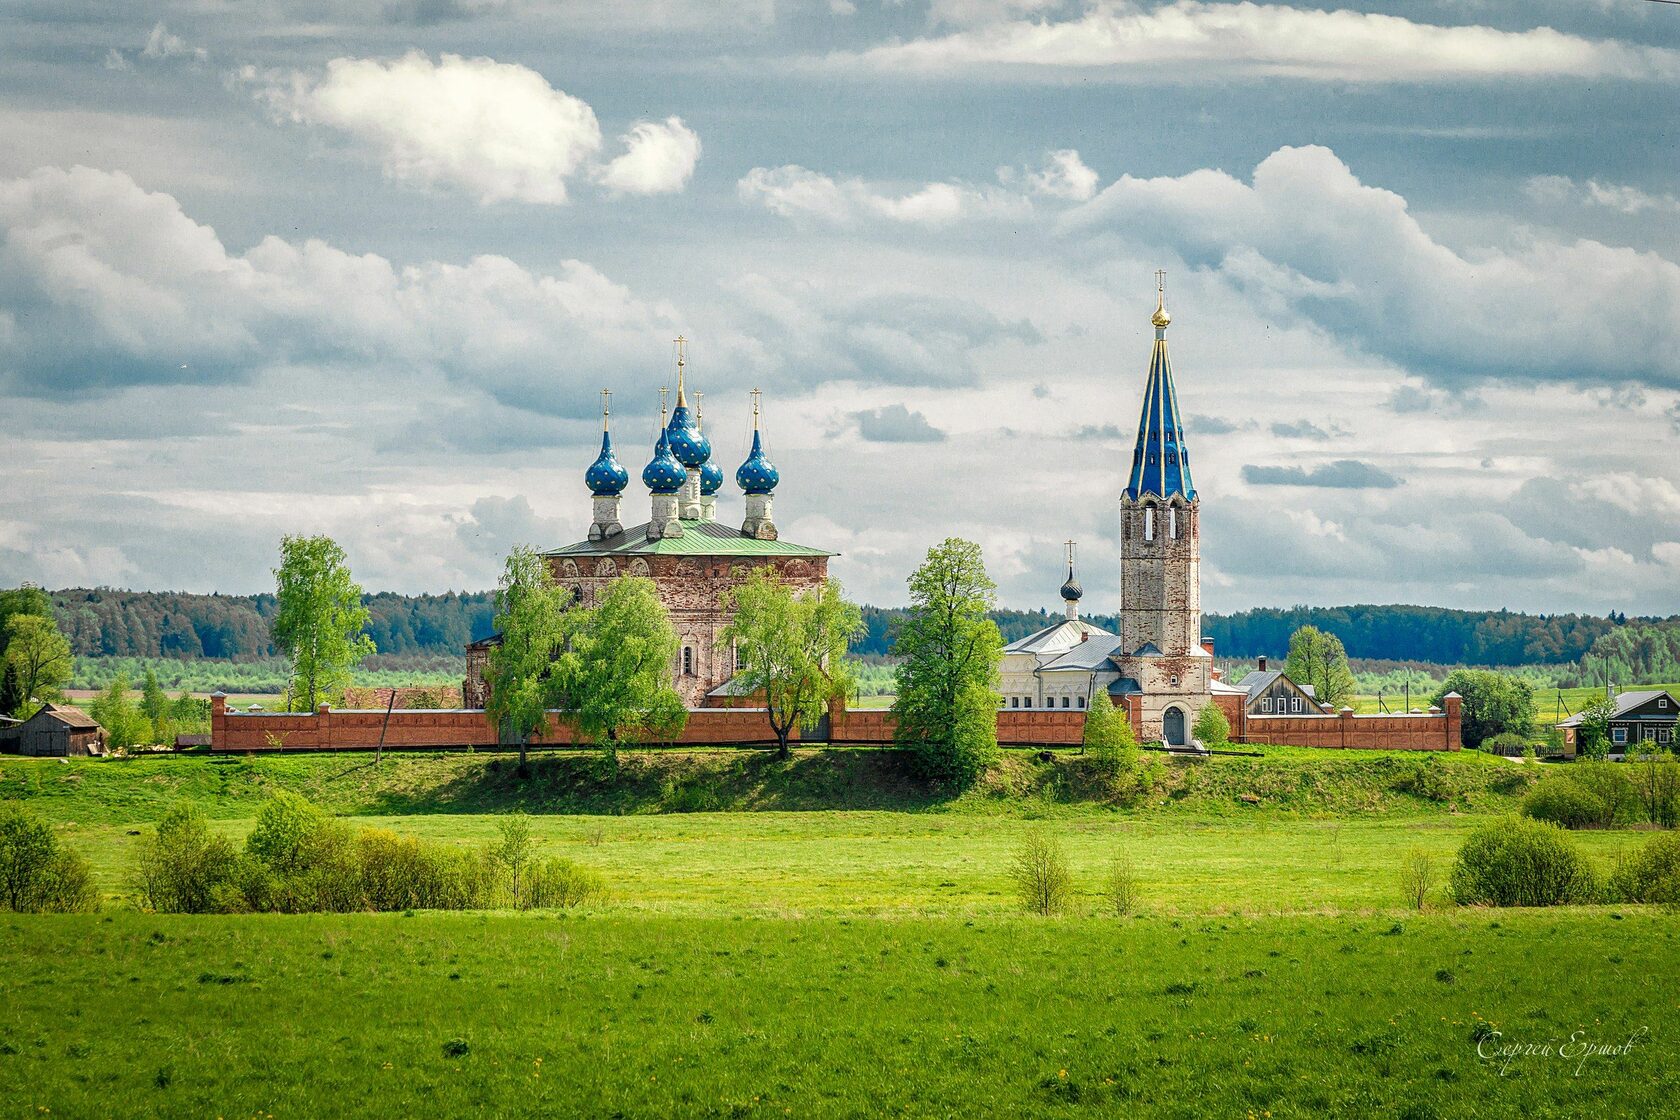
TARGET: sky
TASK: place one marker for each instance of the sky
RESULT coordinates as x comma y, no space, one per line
361,268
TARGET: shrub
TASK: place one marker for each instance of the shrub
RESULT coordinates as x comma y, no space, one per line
1428,779
1121,887
402,873
1519,862
1608,782
1562,802
1652,874
556,882
1417,878
1506,743
185,869
1041,874
38,874
1212,729
1656,783
1108,735
284,824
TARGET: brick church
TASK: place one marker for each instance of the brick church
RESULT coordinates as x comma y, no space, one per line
693,558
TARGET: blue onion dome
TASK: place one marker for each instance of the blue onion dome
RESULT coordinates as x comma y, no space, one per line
663,474
606,476
688,443
757,475
711,478
1071,591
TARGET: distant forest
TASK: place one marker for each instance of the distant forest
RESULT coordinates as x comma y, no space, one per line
103,622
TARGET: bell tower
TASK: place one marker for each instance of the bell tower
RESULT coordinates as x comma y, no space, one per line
1160,554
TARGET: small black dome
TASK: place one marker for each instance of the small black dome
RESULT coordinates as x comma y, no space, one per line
1071,591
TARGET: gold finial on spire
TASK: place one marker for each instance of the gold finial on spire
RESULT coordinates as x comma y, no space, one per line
682,356
1160,318
606,407
700,413
755,394
664,391
1070,555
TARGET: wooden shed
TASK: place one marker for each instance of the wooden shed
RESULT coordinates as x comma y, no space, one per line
57,731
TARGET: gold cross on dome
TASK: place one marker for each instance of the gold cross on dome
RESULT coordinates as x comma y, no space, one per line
1161,280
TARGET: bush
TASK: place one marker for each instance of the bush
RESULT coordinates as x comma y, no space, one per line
1417,878
1562,802
1211,729
1519,862
401,873
1428,779
38,874
1656,784
1121,887
185,869
1608,782
1041,874
1507,743
1108,735
555,883
1651,874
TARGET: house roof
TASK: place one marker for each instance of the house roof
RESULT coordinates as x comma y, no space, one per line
1092,653
1625,703
70,717
699,538
1258,681
1064,632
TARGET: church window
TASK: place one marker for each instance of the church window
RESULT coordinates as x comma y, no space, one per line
1014,701
1172,522
1266,704
1149,523
1174,681
1082,701
1026,702
688,661
1066,703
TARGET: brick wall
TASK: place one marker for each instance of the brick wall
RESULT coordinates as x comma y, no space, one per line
329,729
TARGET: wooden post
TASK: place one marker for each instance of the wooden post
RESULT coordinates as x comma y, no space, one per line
379,751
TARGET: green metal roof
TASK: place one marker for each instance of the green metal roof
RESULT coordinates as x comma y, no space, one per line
699,538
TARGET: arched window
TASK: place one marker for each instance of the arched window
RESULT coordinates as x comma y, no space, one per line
688,661
1082,701
1172,522
1148,523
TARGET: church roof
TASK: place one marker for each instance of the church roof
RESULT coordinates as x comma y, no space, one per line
1160,461
699,538
1092,653
1063,633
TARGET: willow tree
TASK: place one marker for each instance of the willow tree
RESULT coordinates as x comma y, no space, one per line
947,683
531,618
321,619
615,675
790,648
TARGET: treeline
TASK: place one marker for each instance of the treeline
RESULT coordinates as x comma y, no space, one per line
101,622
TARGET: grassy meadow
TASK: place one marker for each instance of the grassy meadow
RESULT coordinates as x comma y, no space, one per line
820,937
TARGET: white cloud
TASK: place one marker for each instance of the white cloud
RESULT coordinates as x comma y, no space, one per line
497,130
118,286
1308,239
114,60
1185,40
1611,196
1064,175
161,44
659,159
792,191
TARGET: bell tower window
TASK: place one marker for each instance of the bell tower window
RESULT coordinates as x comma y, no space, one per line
1148,523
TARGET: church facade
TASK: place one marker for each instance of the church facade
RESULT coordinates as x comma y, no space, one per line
693,559
1159,668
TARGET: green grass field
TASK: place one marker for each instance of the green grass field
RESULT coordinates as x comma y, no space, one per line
769,956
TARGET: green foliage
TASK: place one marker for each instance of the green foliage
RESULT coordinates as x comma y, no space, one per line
558,883
1518,862
283,831
532,618
1655,776
1651,874
115,711
617,673
1316,658
11,690
1417,878
1592,734
1108,736
265,675
1639,651
1493,703
184,868
1608,783
155,706
790,648
1212,729
1563,802
513,854
1429,778
1120,888
38,874
319,618
1507,743
1040,871
947,697
41,656
25,600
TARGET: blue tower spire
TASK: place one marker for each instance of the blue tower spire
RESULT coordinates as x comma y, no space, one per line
606,476
1160,461
663,474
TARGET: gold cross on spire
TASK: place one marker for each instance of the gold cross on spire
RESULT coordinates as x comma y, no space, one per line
664,390
755,394
606,407
682,356
1070,555
700,412
1161,280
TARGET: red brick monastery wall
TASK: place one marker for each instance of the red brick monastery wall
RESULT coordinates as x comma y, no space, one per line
329,729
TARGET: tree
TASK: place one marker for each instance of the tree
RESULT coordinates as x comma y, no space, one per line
616,673
1108,735
11,690
1316,658
38,873
115,712
14,601
154,705
531,618
320,617
1493,703
41,654
947,683
1212,729
1592,734
791,648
